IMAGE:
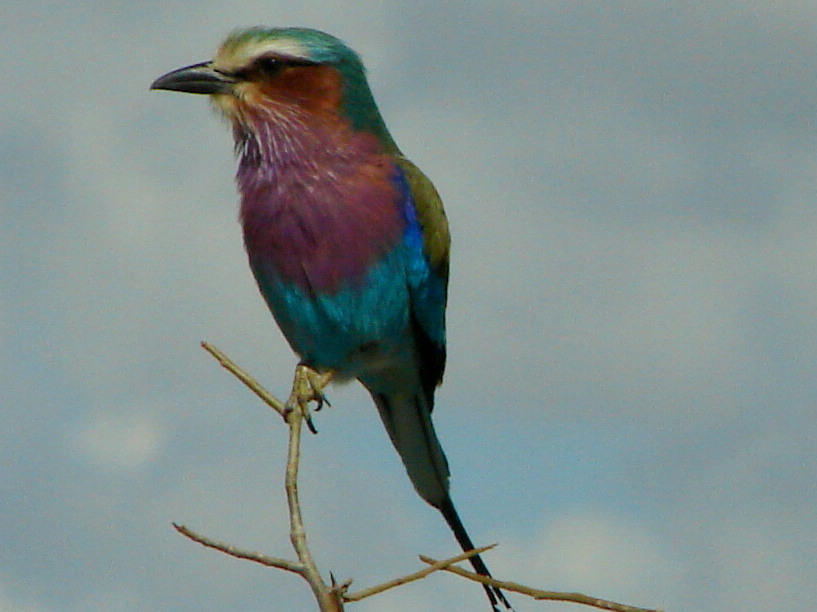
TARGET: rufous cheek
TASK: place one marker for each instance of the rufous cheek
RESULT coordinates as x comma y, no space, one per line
316,89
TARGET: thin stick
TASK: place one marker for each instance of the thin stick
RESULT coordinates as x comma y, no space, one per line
252,384
540,594
239,553
327,597
436,566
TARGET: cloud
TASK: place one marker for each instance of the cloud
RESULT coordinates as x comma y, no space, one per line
119,441
596,553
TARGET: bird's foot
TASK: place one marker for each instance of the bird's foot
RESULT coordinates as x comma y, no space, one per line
307,387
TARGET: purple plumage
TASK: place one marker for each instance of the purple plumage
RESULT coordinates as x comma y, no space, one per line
318,201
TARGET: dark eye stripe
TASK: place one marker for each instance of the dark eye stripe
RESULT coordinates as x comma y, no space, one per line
269,66
283,60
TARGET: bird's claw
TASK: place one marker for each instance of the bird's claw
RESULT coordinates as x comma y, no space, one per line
307,386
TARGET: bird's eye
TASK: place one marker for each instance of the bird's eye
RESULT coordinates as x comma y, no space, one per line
269,65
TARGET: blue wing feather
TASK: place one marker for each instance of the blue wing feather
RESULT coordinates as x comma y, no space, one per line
427,291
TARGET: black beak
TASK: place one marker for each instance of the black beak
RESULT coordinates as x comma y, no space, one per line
199,79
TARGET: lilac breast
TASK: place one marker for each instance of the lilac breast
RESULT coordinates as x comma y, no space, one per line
321,210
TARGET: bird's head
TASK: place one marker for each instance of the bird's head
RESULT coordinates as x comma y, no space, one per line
273,72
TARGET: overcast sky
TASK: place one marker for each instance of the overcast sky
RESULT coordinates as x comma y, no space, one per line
629,406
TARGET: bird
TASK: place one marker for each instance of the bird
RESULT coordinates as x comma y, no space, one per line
347,239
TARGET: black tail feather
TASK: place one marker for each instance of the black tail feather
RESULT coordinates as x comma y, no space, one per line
495,595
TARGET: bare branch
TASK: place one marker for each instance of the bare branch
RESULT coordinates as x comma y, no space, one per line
250,382
308,387
436,566
239,553
538,593
328,598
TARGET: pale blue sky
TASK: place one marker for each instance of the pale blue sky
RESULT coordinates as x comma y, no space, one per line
629,407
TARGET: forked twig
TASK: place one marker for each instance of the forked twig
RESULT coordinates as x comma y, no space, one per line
328,597
434,567
331,597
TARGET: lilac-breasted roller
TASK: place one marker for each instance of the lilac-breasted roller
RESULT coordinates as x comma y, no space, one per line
347,239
